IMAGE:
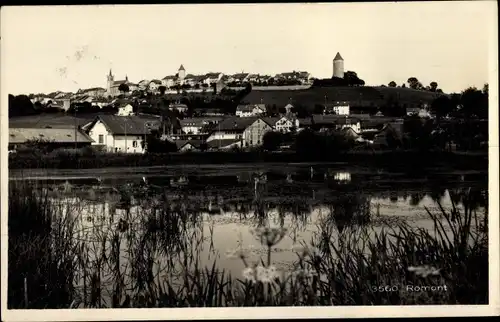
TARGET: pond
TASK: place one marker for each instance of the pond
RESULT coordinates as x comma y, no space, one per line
170,219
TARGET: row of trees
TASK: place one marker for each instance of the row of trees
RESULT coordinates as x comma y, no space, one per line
428,134
414,83
350,79
471,103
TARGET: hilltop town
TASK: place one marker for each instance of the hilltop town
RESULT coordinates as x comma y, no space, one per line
214,111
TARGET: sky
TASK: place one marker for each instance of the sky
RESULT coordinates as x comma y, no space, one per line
50,48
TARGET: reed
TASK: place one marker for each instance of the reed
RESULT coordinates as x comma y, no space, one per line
153,256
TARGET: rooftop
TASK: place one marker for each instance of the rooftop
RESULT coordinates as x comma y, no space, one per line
130,125
22,135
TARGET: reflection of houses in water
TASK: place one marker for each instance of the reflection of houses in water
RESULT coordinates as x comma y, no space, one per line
342,176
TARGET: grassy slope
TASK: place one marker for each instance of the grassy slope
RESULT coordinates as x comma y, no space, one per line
316,95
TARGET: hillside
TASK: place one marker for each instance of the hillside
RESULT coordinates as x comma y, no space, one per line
359,96
408,95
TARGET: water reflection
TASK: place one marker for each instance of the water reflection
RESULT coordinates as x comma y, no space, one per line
166,222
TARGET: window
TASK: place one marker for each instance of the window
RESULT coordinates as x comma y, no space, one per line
134,144
101,139
116,149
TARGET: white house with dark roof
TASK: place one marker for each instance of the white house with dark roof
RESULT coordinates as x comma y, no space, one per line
123,134
303,77
169,81
250,110
154,85
238,78
125,109
196,124
212,78
283,124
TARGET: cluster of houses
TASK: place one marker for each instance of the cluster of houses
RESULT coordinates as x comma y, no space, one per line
101,96
126,132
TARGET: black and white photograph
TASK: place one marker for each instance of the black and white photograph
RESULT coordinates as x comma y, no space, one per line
275,160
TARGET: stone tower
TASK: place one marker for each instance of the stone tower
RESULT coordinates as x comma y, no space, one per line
182,73
338,66
110,78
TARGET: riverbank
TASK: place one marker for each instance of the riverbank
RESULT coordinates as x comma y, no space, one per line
400,160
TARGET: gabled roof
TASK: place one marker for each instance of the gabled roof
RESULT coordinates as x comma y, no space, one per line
170,77
212,75
60,135
93,89
130,125
338,57
221,143
181,143
238,123
240,75
156,81
333,119
271,120
250,107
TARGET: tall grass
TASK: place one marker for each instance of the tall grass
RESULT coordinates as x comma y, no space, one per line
41,252
154,258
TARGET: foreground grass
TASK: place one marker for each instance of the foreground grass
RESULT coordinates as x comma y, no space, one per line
347,262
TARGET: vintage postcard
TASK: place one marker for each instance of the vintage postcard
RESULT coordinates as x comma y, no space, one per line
249,161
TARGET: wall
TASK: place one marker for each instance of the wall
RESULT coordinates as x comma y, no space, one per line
125,110
115,142
355,126
284,125
222,135
341,110
191,129
121,140
338,68
100,129
253,134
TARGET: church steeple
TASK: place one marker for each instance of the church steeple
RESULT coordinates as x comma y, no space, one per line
110,73
126,78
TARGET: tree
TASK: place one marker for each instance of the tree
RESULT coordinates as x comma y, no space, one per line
123,88
319,109
392,84
414,83
21,105
271,140
433,86
474,103
486,89
442,106
162,89
351,78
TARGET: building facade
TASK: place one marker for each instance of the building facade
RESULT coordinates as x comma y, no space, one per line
253,134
